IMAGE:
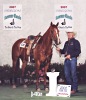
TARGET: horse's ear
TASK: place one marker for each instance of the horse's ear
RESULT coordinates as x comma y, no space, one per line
57,24
51,23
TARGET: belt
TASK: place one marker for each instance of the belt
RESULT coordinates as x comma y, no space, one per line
71,58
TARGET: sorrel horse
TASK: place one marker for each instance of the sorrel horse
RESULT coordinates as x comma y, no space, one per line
20,53
43,51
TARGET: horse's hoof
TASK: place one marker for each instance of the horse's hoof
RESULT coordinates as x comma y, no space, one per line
14,86
38,90
25,86
46,89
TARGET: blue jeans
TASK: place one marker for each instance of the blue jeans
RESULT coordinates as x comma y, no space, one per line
70,70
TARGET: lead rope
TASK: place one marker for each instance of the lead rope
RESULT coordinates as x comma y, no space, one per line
59,52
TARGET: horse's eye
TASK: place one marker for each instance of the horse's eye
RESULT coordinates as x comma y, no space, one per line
58,31
52,31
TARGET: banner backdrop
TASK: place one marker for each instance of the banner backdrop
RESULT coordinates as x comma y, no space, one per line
64,15
12,17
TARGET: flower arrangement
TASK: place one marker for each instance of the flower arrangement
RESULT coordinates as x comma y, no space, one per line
6,73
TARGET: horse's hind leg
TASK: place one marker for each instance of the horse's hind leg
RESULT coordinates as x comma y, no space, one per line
16,64
24,63
14,74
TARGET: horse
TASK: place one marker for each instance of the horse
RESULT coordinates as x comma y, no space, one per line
42,52
21,53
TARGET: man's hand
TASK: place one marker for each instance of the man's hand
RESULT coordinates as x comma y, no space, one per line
68,57
58,49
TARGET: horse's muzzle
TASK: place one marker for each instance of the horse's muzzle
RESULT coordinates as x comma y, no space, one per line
57,42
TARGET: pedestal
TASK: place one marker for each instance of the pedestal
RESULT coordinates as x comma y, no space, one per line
52,83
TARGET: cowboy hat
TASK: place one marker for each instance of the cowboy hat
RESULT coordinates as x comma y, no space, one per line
71,32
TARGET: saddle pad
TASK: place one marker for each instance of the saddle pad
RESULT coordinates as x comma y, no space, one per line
22,44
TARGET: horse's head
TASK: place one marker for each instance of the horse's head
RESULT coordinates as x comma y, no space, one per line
55,33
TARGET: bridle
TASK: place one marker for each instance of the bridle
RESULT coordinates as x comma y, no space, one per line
52,37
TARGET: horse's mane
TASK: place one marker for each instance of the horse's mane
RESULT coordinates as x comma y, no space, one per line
44,37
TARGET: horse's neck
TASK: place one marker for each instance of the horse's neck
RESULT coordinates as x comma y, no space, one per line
47,41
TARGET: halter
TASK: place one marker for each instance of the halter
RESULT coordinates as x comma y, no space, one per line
54,44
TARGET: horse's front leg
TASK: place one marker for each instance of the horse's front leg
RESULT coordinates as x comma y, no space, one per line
45,84
37,75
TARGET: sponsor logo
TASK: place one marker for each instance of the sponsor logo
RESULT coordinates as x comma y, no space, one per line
12,17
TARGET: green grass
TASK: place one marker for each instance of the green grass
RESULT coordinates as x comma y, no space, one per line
8,93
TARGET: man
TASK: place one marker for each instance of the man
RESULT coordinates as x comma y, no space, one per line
71,51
